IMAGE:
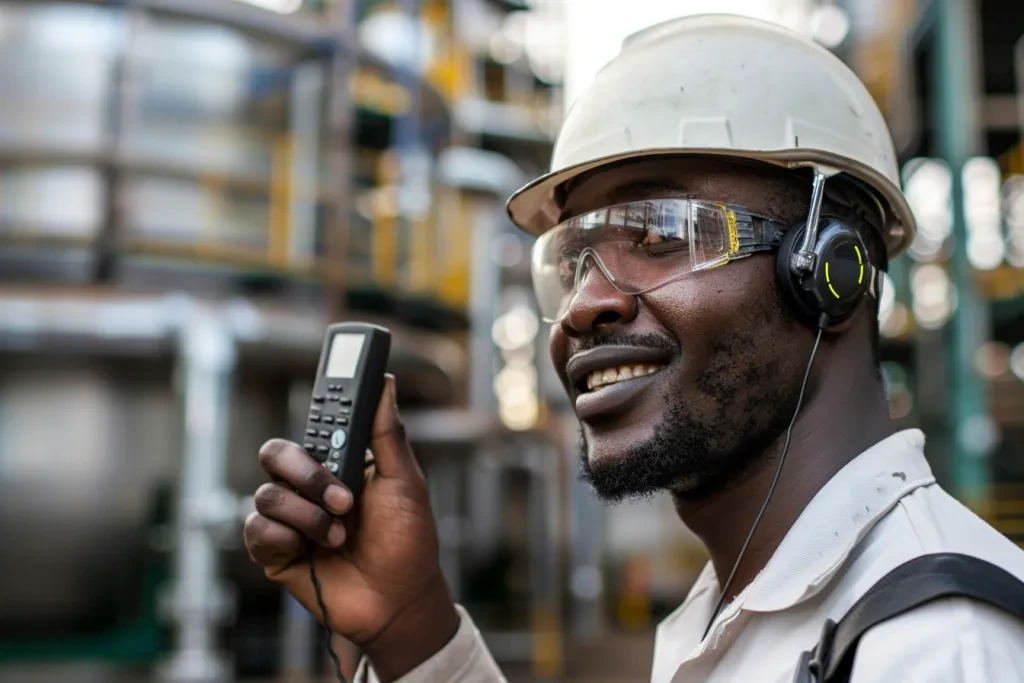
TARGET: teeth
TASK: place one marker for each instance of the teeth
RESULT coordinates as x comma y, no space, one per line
600,378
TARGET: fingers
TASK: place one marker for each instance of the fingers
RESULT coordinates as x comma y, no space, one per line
270,543
287,463
278,503
392,454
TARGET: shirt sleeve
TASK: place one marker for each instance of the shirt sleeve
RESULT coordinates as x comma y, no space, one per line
465,659
948,641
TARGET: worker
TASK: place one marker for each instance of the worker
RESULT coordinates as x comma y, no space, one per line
723,201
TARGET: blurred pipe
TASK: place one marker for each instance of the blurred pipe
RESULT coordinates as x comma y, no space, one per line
303,30
282,195
444,480
340,124
959,139
1018,69
543,503
111,237
587,618
197,602
485,289
306,98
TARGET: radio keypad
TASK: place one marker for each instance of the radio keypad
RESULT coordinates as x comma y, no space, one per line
323,441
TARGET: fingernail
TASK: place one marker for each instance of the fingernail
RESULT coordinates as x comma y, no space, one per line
337,498
272,447
336,535
392,391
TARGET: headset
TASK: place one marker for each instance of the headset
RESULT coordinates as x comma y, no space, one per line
823,271
822,267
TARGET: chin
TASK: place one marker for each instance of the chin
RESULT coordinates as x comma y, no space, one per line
610,445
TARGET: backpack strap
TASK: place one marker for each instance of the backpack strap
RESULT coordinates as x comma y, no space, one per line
910,585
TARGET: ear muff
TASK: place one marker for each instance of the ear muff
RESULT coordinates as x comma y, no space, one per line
841,275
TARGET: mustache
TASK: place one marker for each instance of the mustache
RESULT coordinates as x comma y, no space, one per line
648,339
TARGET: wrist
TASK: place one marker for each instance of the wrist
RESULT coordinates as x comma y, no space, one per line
416,634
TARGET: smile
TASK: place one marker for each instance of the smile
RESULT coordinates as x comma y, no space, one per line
600,378
608,381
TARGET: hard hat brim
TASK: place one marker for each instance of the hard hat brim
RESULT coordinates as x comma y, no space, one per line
535,209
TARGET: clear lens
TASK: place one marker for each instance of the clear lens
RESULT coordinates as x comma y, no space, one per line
712,238
637,246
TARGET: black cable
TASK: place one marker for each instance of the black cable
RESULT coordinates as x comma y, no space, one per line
778,471
323,613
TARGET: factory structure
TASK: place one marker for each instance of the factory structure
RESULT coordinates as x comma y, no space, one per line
191,190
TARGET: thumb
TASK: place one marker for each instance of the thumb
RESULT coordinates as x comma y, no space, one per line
392,453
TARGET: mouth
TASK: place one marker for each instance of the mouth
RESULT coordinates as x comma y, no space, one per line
608,378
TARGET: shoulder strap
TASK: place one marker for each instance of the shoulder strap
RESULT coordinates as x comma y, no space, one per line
912,584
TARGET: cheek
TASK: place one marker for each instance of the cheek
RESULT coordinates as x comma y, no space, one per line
731,309
558,349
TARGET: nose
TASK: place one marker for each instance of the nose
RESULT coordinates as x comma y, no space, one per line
597,305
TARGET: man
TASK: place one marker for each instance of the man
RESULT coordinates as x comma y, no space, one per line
711,352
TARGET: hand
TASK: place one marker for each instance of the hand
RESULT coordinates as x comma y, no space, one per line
377,561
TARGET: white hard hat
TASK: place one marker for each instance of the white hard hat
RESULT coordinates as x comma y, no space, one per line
731,86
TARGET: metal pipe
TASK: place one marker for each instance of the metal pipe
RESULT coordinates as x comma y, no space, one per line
959,138
197,602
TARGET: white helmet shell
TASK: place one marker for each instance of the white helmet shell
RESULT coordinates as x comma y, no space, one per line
731,86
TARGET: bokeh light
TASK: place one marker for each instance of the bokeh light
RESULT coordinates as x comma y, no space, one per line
992,359
829,25
933,295
1017,361
982,182
928,188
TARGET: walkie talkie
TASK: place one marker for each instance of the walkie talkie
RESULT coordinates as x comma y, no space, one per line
349,381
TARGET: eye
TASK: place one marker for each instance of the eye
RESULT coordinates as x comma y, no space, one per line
656,244
568,260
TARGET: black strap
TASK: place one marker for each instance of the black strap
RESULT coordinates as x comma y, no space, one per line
912,584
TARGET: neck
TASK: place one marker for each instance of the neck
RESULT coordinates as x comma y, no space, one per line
832,429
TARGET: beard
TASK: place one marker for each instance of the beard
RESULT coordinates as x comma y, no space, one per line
698,453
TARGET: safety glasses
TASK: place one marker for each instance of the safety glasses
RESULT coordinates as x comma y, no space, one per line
643,245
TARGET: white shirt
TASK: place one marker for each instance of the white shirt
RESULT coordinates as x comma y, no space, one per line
881,510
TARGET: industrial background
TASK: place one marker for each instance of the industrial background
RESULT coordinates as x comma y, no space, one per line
191,189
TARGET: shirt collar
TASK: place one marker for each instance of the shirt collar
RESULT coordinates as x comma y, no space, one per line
837,518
